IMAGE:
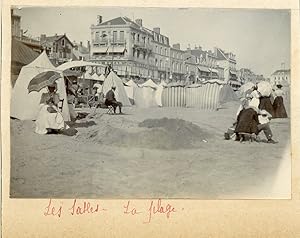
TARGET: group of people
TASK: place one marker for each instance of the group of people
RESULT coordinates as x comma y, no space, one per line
50,118
255,113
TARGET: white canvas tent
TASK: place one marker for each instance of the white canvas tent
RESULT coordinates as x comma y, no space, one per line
149,83
24,105
130,90
131,83
113,80
158,93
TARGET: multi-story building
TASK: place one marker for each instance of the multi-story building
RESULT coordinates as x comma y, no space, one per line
58,47
227,62
135,51
124,44
246,75
206,62
281,76
81,52
177,63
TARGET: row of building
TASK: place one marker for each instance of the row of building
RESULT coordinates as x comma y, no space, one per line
136,52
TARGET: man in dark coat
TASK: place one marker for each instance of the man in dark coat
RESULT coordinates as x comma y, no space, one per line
110,100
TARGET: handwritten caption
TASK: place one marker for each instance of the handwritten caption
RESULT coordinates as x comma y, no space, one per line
154,208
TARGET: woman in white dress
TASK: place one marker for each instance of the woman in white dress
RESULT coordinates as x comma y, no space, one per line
255,95
49,118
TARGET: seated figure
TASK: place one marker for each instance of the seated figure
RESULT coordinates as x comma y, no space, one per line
49,118
110,100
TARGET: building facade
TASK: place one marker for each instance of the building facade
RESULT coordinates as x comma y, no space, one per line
139,53
227,62
281,76
58,47
125,45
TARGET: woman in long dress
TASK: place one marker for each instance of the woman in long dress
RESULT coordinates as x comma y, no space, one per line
49,118
265,103
255,95
278,105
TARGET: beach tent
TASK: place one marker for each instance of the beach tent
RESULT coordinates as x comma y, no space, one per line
130,90
149,83
144,97
131,83
158,93
227,94
113,80
144,94
209,95
173,95
24,105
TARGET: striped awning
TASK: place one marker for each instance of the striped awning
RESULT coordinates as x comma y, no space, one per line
203,69
115,49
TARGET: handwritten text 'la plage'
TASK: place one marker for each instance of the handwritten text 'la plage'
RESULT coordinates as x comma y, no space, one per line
79,208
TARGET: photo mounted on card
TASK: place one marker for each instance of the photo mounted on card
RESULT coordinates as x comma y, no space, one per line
114,103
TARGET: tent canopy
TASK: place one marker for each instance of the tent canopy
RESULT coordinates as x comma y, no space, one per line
24,105
113,80
149,83
77,63
131,83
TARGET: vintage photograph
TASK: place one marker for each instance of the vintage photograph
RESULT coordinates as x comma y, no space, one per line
183,103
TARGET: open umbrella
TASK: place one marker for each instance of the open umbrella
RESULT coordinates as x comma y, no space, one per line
265,88
43,80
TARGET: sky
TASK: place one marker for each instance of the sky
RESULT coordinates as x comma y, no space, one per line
259,38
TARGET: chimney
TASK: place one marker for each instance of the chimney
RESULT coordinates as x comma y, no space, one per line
89,45
156,29
99,19
81,43
43,38
139,22
200,48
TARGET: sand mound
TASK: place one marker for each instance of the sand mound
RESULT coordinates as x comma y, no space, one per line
168,134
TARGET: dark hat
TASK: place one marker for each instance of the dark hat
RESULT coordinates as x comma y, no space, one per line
279,86
113,87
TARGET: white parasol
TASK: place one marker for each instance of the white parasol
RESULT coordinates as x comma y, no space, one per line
265,88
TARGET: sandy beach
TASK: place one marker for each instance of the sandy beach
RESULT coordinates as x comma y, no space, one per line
112,156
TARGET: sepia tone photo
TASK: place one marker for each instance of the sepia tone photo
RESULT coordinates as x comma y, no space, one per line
150,103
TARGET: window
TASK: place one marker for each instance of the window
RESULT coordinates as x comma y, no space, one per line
138,37
156,49
166,53
138,53
156,62
63,42
121,35
161,50
114,36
